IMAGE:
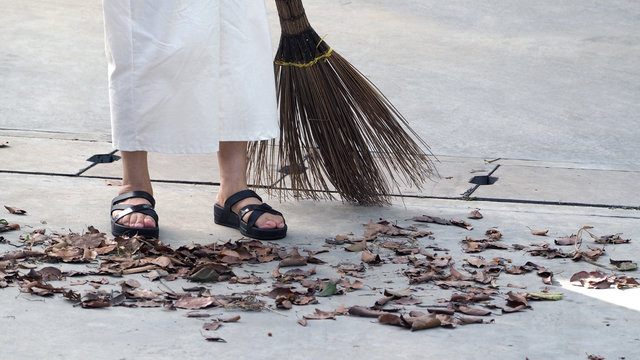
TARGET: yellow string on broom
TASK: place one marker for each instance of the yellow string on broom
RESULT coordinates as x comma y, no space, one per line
310,63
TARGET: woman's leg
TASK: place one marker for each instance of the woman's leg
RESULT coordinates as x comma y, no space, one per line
232,161
135,176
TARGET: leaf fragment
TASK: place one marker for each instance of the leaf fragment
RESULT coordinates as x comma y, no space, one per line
544,296
329,289
15,211
539,232
475,215
624,265
424,322
206,274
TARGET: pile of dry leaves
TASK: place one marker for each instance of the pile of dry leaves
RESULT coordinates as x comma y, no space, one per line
472,284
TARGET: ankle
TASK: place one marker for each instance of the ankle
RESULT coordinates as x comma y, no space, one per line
125,188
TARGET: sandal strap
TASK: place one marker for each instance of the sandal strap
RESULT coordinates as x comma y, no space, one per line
257,211
239,196
134,194
128,209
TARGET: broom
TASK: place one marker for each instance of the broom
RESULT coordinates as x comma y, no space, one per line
338,132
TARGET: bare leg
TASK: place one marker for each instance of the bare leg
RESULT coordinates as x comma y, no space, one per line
135,176
232,160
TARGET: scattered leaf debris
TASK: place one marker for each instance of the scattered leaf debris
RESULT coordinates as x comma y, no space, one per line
475,296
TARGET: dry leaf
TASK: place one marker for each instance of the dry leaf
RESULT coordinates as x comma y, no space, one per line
391,319
321,315
365,312
8,227
195,303
211,326
369,258
539,232
424,322
15,210
567,240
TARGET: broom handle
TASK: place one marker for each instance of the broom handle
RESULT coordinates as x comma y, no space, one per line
292,16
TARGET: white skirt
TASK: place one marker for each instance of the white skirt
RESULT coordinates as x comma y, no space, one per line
187,74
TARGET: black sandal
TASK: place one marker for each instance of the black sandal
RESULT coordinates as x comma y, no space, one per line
120,230
224,216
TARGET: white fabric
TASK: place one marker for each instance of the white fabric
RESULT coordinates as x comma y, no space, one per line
186,74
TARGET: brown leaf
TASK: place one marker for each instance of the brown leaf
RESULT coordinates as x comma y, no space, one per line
162,261
431,219
351,286
456,275
461,223
369,258
320,315
609,239
407,300
474,247
361,246
50,273
364,312
197,315
302,322
293,259
142,294
98,299
517,299
477,261
446,320
626,282
230,319
472,311
195,303
397,293
475,214
516,286
514,309
211,326
441,261
467,320
567,240
66,254
391,319
15,210
305,300
9,227
539,232
581,276
493,234
424,322
214,339
281,292
246,280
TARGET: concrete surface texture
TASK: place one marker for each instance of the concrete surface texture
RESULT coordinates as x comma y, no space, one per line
543,96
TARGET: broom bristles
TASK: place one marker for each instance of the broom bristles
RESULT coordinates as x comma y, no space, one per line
338,132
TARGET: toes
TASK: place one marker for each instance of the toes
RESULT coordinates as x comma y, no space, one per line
270,222
137,221
125,220
267,225
148,222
